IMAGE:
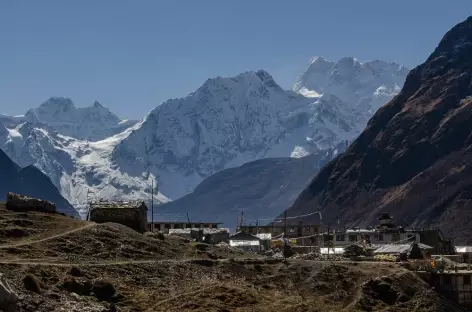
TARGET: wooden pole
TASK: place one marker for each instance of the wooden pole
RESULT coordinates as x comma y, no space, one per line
152,205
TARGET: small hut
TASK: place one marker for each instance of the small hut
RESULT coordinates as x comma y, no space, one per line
133,214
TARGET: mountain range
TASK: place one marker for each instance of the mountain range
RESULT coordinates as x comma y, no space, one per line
225,123
414,159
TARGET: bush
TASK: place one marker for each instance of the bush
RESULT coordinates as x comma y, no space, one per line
71,284
103,290
32,283
75,271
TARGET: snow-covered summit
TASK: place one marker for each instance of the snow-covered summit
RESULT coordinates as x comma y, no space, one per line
229,121
366,85
91,123
225,123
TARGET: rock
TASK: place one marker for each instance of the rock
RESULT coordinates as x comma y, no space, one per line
8,297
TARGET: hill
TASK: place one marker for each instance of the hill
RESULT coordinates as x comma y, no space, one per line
261,188
414,159
83,266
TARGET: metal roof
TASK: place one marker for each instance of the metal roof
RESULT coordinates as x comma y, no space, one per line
336,251
398,248
264,235
117,204
205,230
463,249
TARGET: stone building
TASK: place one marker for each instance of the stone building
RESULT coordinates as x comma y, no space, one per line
133,214
17,202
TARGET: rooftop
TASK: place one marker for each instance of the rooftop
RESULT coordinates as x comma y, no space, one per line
183,222
117,204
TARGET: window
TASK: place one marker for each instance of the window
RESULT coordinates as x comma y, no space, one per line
353,238
167,226
380,237
206,226
188,226
308,229
340,238
214,226
466,279
176,226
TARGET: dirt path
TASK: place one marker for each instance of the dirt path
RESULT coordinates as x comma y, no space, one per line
47,262
86,226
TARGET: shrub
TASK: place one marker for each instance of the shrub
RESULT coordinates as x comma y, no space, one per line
103,290
32,283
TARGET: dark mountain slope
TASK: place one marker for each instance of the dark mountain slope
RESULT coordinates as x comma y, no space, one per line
261,188
414,159
32,182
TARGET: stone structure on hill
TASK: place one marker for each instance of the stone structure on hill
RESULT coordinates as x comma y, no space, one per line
17,202
133,214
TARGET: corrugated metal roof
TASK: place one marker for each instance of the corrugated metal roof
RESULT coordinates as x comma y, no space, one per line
205,230
337,251
117,204
463,249
233,243
264,235
398,248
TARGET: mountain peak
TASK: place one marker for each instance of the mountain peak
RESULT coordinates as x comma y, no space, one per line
97,104
414,158
363,85
58,104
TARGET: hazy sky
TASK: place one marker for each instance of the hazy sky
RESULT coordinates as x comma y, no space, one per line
132,55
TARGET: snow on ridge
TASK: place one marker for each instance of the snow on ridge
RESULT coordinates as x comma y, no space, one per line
225,123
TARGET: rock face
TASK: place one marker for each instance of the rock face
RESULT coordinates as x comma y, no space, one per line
414,159
31,182
19,202
262,189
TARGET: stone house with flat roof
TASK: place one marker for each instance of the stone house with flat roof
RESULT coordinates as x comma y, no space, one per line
132,214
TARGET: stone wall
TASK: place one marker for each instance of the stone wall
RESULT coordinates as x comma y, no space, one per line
135,218
17,202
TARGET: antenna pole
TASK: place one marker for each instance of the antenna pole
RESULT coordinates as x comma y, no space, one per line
152,205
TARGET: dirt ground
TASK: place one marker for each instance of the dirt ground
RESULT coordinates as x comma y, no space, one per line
68,265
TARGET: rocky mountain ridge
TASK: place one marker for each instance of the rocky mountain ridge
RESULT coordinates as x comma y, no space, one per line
225,123
414,159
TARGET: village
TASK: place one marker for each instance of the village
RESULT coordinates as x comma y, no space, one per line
433,257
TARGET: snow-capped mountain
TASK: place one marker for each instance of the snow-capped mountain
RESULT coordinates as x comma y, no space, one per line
60,114
228,122
225,123
366,86
76,167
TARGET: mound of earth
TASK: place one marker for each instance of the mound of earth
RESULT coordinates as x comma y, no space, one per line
227,286
29,226
110,267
